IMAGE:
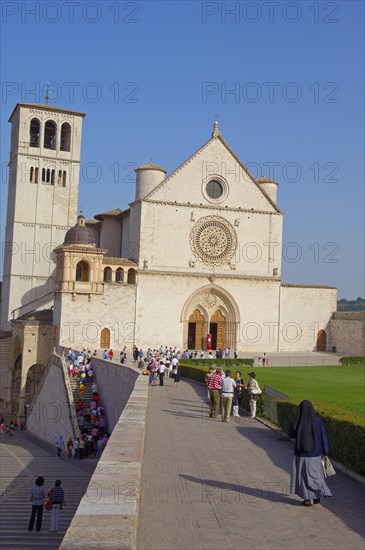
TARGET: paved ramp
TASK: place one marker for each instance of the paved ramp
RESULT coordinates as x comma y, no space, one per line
23,459
209,485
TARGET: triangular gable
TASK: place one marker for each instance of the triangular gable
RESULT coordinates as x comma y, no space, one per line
155,192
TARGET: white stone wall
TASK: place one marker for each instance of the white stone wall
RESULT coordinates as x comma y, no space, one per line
157,323
50,414
165,240
347,333
115,383
304,311
186,184
110,237
81,320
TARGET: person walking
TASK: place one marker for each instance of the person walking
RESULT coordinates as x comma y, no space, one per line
207,377
37,498
214,386
69,447
307,477
237,396
57,497
161,372
228,388
254,392
176,374
60,446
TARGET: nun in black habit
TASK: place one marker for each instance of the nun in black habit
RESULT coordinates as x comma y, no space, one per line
307,479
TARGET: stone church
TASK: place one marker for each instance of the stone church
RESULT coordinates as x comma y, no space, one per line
196,255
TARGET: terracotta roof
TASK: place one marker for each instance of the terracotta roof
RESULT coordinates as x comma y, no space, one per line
46,108
93,221
108,214
43,316
109,260
150,166
265,179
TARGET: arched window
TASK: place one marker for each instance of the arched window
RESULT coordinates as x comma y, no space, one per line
132,276
64,179
119,275
50,129
107,275
43,175
65,137
34,132
31,175
48,175
36,175
52,176
83,271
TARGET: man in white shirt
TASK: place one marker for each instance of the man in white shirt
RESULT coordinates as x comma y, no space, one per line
228,386
161,372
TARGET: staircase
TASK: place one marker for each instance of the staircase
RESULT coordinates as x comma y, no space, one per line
23,458
76,392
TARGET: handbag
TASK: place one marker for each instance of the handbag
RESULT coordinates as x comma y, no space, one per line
48,505
328,469
256,391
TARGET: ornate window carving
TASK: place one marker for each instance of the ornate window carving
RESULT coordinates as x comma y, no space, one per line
213,240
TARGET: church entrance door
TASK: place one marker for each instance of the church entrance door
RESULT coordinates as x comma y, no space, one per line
196,330
218,329
321,340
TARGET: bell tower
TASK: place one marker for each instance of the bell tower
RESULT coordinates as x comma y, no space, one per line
43,185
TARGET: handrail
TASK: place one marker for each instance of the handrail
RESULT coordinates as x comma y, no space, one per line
70,398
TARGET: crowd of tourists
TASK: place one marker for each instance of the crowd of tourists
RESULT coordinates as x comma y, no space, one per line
227,392
91,416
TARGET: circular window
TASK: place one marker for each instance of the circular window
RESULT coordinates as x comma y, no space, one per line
213,240
214,189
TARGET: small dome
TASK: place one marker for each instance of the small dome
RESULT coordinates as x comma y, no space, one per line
80,233
150,166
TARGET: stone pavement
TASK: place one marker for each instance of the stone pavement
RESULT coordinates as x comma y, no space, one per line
24,457
209,485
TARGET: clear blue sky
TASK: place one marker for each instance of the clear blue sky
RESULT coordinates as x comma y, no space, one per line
151,75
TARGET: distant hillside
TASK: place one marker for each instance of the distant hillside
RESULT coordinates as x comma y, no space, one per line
351,305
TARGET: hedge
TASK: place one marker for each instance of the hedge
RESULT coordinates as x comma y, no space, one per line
224,363
358,360
345,430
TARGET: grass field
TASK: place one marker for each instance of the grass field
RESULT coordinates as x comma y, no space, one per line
342,386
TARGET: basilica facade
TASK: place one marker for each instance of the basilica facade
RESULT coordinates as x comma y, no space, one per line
196,255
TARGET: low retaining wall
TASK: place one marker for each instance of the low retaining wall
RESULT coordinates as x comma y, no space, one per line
51,414
115,383
108,513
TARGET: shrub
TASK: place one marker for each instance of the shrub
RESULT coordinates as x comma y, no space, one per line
345,432
224,363
358,360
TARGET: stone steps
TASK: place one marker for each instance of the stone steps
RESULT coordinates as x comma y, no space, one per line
23,459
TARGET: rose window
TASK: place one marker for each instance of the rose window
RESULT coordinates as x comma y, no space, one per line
213,240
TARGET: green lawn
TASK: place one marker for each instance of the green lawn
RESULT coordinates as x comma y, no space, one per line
343,386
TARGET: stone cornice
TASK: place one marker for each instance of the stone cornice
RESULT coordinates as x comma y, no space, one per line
211,207
44,157
308,286
210,276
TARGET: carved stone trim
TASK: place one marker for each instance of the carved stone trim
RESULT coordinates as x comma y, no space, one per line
213,240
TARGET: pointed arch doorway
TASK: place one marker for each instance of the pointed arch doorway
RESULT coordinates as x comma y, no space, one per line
210,309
